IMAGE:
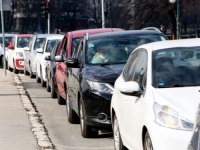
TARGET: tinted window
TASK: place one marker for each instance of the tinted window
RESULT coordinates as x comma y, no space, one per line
55,49
140,70
38,43
22,42
74,42
130,66
50,45
176,67
112,50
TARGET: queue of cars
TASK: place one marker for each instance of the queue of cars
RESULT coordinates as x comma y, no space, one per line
137,83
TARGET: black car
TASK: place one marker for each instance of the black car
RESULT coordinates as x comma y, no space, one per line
96,63
51,68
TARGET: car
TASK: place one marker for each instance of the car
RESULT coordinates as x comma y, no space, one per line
194,142
15,55
7,40
30,53
154,99
40,61
68,44
96,63
51,69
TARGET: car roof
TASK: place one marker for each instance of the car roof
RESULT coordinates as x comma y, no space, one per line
171,43
7,35
81,33
24,35
127,32
58,36
45,35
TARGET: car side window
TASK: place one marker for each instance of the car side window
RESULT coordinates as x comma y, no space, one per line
13,41
80,52
140,70
130,66
64,48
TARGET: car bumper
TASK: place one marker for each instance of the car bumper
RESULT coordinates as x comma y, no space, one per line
19,63
97,108
169,139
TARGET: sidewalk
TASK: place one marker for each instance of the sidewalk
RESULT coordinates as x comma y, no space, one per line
15,128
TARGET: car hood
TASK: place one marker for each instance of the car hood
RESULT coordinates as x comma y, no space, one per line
184,100
103,73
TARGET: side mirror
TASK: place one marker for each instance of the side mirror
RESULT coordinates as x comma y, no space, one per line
27,49
39,50
48,58
58,58
72,62
129,88
11,47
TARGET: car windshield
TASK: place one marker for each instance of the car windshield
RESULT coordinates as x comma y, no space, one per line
50,45
74,42
114,50
22,42
176,67
38,43
7,41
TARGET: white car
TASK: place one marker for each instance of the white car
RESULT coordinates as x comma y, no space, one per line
30,53
40,61
7,40
15,52
155,98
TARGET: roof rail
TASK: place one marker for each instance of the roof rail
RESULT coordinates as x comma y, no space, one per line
152,28
87,36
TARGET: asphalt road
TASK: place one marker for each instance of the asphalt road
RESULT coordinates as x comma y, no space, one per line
64,136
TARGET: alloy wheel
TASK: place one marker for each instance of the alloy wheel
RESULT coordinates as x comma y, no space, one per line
148,144
68,109
81,116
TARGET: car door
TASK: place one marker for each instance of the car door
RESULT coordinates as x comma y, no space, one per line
11,52
74,76
61,68
124,100
137,103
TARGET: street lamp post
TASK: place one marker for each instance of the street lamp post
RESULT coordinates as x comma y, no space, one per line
177,17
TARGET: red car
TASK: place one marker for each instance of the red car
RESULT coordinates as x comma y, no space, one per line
66,49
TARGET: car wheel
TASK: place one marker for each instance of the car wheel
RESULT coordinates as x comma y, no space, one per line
37,78
71,114
14,68
86,130
31,73
42,80
1,61
61,101
117,137
6,65
53,92
147,142
25,71
47,85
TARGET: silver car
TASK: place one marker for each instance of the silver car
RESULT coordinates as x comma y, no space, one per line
30,52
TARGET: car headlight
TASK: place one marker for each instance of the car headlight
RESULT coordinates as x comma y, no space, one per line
19,54
100,87
167,117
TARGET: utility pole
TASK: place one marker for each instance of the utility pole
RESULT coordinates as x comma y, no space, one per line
48,20
102,12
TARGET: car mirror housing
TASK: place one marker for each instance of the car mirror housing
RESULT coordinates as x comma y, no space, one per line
39,50
47,57
27,49
129,88
11,47
58,58
72,62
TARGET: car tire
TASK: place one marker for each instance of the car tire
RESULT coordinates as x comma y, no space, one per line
15,69
37,78
53,92
86,130
6,66
1,61
31,73
42,80
116,135
147,142
47,85
71,114
25,71
61,100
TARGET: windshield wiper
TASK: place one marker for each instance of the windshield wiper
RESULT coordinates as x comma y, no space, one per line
171,86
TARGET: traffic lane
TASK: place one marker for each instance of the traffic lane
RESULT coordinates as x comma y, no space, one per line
64,136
